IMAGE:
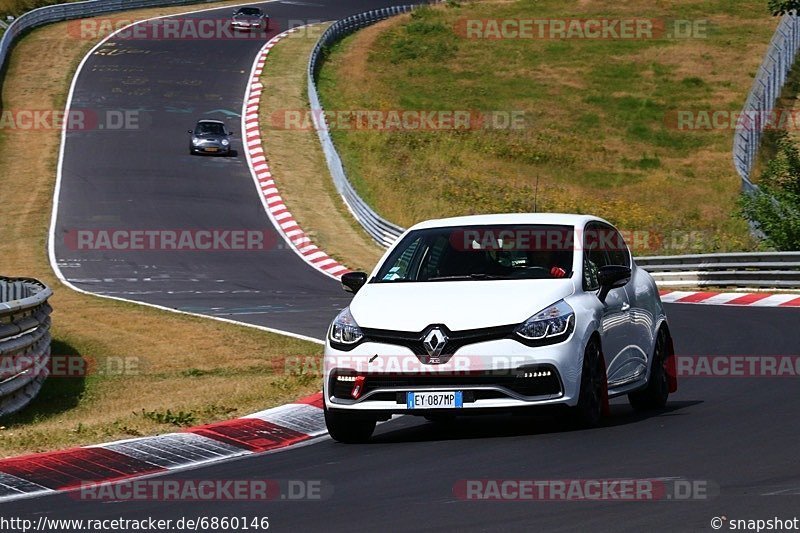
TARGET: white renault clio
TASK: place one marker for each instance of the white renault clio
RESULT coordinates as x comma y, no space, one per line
497,313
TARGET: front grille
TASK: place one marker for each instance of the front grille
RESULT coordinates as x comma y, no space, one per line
512,380
455,339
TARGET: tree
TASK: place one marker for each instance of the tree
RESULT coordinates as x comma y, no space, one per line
781,7
775,206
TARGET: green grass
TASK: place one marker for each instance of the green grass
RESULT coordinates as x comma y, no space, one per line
597,136
18,7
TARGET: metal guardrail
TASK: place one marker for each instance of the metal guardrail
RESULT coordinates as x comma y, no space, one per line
24,341
746,270
760,103
751,270
60,12
380,229
24,310
765,90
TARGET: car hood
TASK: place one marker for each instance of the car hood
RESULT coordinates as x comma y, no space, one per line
247,17
459,305
211,137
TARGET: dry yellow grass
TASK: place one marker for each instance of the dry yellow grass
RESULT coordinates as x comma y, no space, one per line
598,137
296,159
207,369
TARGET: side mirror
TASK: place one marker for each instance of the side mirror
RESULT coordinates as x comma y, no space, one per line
231,132
612,277
353,281
190,131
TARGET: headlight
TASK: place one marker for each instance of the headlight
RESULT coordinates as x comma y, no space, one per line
344,329
550,325
195,140
225,142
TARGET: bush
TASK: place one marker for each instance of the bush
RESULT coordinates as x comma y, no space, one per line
775,207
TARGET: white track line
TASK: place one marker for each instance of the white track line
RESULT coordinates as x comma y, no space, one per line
59,173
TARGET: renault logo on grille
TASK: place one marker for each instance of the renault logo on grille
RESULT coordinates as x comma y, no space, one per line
434,342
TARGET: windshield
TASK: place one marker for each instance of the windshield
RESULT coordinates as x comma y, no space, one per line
209,128
249,11
481,253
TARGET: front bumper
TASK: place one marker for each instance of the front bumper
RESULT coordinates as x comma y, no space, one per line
242,25
501,374
211,149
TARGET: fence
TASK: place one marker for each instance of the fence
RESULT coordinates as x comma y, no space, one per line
765,90
24,341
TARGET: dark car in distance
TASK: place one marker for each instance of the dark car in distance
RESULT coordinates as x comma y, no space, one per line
210,137
249,18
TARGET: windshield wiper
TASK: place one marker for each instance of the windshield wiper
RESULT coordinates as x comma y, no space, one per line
476,275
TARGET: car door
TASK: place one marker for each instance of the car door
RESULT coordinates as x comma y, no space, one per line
615,330
641,294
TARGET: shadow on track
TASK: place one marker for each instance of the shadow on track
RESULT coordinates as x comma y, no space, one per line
417,429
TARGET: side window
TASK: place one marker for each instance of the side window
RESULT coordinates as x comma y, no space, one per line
402,264
432,260
594,256
617,249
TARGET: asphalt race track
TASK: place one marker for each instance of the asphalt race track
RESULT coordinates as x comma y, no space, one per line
737,434
143,178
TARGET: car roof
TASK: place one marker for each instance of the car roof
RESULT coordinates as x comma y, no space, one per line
563,219
210,120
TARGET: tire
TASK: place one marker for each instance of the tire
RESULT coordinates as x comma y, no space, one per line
349,428
592,396
654,394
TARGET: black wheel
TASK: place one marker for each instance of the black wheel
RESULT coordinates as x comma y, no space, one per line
654,394
591,399
349,427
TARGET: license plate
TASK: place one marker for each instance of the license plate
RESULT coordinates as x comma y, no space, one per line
434,400
211,149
